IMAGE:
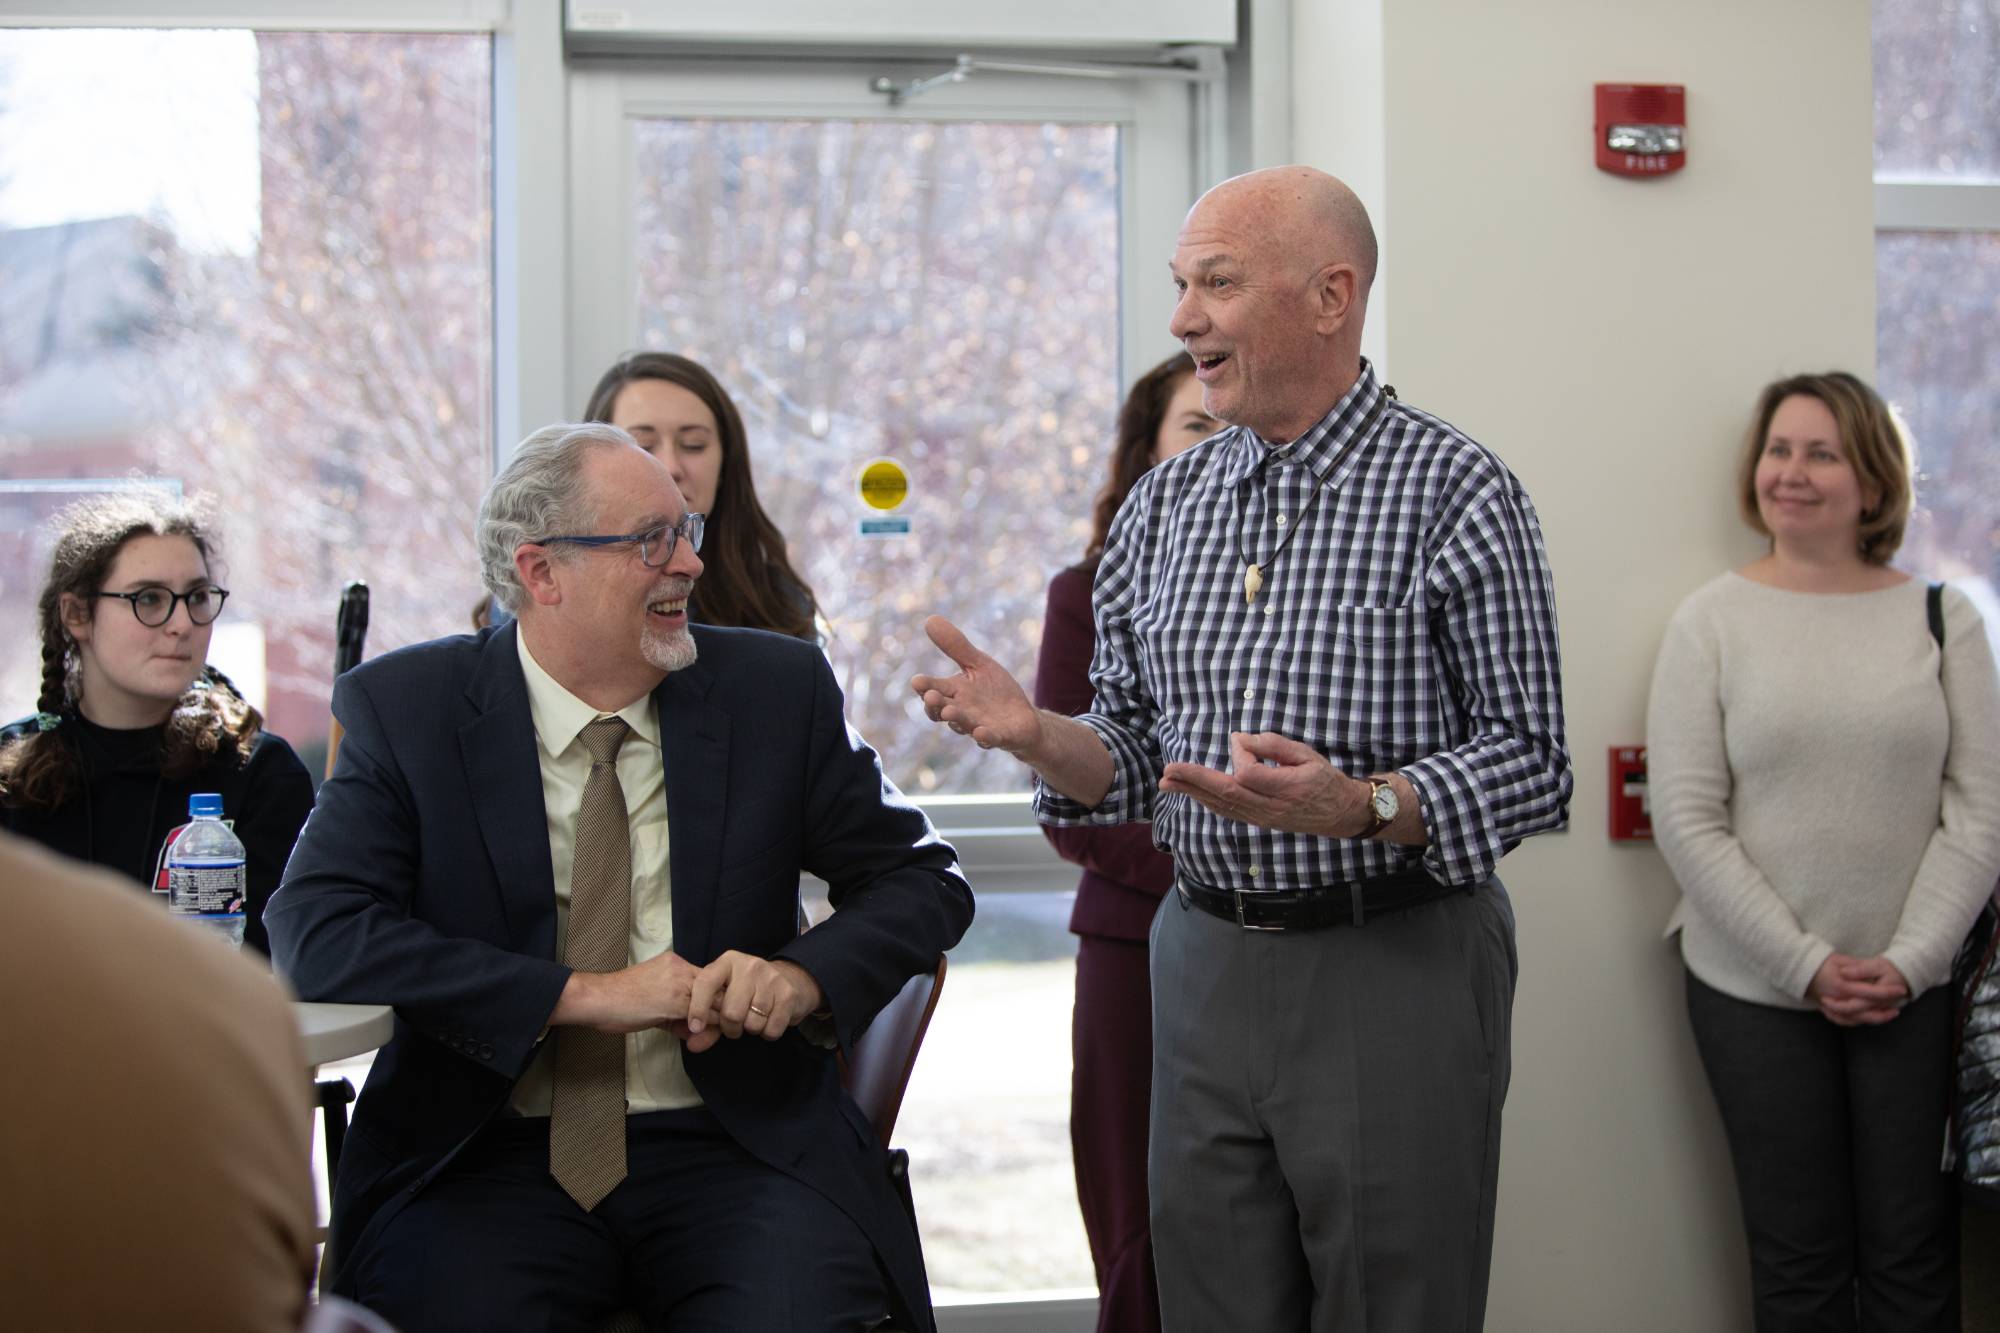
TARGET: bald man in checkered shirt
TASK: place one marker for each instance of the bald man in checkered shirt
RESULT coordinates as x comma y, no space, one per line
1327,671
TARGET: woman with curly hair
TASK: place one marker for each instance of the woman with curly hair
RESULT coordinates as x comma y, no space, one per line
131,720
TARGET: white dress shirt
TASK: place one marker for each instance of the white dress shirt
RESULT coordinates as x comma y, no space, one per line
655,1075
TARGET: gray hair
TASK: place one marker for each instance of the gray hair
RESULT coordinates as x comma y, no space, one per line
539,493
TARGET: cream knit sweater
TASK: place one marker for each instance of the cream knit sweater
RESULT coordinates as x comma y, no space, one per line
1820,782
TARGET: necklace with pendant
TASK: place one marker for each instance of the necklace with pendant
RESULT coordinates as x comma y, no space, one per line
1253,573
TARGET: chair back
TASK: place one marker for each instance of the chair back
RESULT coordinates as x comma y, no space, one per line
350,637
875,1077
878,1070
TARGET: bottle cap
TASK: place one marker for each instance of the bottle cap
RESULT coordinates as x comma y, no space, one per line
205,805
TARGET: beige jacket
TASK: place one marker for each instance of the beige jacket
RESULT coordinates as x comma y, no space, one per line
154,1141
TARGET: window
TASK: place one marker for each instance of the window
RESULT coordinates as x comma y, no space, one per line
1937,248
1937,89
942,294
963,283
256,265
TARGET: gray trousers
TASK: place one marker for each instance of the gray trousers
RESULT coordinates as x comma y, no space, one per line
1326,1118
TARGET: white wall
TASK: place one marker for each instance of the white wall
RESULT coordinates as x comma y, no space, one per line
1607,338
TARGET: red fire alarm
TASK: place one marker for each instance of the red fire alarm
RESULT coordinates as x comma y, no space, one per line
1641,128
1631,811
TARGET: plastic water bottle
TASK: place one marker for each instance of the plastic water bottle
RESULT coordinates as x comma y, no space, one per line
205,870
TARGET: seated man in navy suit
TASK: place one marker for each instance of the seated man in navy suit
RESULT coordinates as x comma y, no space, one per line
568,852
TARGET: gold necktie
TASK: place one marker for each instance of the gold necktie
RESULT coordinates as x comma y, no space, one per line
587,1109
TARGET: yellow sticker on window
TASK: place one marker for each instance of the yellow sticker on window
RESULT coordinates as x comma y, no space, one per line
884,485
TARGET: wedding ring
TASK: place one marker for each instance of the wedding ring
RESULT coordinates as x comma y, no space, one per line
761,1013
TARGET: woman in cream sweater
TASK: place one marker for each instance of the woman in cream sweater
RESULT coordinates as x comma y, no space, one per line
1826,789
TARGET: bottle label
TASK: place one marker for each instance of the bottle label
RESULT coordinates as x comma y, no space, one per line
213,888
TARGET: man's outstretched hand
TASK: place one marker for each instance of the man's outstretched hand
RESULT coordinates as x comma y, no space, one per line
982,701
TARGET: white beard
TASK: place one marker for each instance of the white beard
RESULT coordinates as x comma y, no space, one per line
669,650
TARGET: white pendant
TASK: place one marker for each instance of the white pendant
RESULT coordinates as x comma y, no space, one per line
1253,580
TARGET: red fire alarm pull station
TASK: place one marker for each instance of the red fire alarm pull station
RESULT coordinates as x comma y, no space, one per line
1641,128
1631,811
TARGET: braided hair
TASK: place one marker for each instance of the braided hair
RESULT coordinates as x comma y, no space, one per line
41,769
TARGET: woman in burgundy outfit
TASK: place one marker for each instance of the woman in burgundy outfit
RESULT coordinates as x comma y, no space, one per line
1124,878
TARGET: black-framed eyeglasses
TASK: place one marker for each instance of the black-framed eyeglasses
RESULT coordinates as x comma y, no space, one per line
656,545
154,605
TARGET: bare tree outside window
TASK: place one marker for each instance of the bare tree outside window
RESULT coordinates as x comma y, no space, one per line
1937,88
329,378
1937,121
942,294
1938,344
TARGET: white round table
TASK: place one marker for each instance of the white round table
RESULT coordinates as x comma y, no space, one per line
338,1031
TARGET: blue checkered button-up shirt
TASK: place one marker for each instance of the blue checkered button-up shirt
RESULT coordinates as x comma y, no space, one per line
1408,624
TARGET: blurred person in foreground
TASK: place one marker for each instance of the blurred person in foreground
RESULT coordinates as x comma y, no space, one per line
568,852
155,1155
1327,671
1824,764
680,413
131,719
1124,878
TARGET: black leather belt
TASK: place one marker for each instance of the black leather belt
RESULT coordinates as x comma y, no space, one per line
1318,906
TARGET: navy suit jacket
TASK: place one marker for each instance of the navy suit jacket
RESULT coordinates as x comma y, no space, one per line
423,881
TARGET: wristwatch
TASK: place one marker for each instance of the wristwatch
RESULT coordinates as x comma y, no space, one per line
1383,806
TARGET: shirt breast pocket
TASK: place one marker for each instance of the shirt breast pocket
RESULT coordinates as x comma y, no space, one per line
1371,668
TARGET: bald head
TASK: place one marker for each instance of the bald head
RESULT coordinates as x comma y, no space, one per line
1304,212
1273,270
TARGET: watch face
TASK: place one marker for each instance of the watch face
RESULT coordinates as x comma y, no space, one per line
1385,803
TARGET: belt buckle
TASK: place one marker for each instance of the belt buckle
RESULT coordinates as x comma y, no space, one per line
1236,896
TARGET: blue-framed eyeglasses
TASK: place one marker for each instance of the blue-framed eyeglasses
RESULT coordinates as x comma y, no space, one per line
154,605
656,545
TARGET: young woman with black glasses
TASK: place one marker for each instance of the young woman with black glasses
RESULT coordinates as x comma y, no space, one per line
131,719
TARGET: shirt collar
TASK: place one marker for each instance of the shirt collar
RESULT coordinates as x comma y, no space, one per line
1322,443
559,715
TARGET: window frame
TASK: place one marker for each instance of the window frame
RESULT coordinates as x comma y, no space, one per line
1001,847
615,92
319,15
1910,203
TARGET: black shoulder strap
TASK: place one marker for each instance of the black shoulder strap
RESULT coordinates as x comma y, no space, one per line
1934,605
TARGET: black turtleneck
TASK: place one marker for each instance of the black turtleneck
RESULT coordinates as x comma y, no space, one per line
126,807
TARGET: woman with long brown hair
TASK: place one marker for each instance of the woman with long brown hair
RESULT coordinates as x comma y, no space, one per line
1124,878
681,414
131,720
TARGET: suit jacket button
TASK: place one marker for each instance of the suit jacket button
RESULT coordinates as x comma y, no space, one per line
485,1051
